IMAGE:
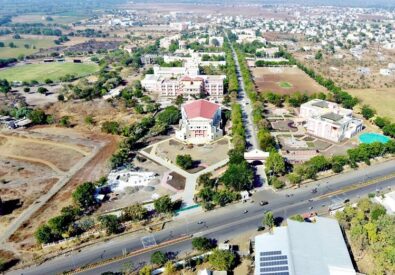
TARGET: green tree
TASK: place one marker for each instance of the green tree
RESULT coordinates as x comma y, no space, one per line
206,180
169,116
145,270
42,90
179,100
163,204
170,268
367,112
268,219
222,260
294,178
37,116
184,161
382,121
5,86
297,218
110,223
238,176
43,234
158,258
135,212
83,196
202,244
65,121
111,127
275,163
276,183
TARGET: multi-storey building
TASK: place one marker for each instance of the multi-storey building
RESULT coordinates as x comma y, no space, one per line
200,122
327,120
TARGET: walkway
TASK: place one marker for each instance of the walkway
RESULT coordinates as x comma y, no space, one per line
190,179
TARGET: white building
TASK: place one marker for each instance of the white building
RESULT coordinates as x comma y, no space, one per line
303,248
200,122
327,120
119,180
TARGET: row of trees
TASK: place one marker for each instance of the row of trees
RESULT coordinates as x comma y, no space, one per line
386,126
362,153
231,76
266,141
340,96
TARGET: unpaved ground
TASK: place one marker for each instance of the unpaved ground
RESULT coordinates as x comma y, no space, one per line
269,79
381,99
23,239
21,183
99,109
343,71
171,148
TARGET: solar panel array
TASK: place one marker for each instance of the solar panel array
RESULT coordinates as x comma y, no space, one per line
273,263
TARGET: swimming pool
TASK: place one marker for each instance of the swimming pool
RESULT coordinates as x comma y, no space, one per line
373,137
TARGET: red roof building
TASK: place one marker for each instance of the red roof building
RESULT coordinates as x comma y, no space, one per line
200,122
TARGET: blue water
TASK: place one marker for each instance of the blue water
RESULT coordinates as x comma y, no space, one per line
373,137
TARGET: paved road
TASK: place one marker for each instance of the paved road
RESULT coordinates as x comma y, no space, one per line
244,101
251,131
229,221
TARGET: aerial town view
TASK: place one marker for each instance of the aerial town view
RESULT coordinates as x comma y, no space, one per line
213,137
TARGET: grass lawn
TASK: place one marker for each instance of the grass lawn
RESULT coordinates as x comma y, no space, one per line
38,18
285,85
381,99
40,72
38,43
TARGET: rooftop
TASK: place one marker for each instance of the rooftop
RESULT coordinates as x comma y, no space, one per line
321,250
200,108
332,116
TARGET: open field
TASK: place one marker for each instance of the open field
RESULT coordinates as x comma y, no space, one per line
35,44
92,167
203,154
382,100
36,18
285,80
40,72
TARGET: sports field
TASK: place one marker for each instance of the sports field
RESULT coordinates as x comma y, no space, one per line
285,80
33,45
41,72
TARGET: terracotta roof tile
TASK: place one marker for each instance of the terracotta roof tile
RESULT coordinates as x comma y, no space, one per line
200,108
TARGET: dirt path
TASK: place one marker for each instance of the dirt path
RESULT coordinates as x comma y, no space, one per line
89,169
34,160
47,142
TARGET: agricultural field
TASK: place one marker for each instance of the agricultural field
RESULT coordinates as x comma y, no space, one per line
33,45
41,72
285,80
381,99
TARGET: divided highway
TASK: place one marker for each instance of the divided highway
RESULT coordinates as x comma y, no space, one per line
229,221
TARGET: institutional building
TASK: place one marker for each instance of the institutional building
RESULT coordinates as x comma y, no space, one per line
308,248
200,122
329,121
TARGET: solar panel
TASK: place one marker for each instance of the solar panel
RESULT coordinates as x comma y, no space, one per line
274,263
275,268
276,273
269,253
273,258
